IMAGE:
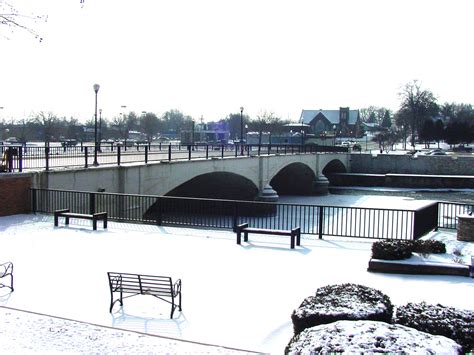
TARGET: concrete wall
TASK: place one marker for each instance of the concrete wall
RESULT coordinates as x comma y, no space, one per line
14,194
406,164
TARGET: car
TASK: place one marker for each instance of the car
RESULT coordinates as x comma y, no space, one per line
462,148
436,151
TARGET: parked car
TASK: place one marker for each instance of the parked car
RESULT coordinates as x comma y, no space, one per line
437,151
462,148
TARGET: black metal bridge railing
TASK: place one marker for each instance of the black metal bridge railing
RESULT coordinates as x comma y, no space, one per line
20,158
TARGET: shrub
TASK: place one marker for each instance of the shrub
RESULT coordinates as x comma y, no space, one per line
450,322
368,337
428,247
403,249
392,249
342,302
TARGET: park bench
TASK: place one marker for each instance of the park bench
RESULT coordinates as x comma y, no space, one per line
161,287
6,269
94,217
295,233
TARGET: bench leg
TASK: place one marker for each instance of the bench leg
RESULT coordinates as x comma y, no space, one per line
246,236
292,243
94,224
56,220
105,223
66,220
298,238
239,237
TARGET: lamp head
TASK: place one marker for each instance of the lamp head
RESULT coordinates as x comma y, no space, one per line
96,88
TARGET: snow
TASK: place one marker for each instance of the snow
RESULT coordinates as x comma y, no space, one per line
233,296
368,337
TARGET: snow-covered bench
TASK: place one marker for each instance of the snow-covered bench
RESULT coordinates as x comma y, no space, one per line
6,269
161,287
94,217
295,233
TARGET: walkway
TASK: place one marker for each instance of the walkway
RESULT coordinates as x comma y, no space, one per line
234,296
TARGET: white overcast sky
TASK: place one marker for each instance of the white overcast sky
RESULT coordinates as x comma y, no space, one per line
209,57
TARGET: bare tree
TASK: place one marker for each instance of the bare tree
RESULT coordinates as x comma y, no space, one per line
417,105
48,124
12,19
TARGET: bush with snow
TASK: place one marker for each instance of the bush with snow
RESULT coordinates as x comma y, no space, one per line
368,337
392,250
428,246
403,249
342,302
439,320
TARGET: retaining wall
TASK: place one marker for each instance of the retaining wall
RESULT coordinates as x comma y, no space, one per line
14,194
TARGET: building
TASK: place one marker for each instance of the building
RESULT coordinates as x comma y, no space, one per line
343,122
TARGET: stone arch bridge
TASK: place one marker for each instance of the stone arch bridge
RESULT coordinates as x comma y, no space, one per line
233,178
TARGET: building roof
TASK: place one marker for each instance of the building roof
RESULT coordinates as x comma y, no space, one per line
331,115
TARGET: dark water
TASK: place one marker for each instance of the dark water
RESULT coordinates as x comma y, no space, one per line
445,195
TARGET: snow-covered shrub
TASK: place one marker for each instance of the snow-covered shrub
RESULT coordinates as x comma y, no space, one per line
403,249
439,320
368,337
428,247
392,249
342,302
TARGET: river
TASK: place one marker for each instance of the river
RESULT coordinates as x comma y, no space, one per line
445,195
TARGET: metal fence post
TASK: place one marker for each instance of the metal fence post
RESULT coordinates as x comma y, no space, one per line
146,154
46,154
222,151
118,154
91,203
20,159
235,219
169,152
320,222
33,200
86,157
159,216
189,152
207,151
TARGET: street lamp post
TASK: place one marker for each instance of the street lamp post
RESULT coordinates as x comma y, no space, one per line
96,90
241,130
100,130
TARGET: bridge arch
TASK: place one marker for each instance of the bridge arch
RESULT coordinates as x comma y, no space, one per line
217,185
334,166
294,179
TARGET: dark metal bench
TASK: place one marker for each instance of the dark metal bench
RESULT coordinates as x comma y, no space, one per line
94,217
6,269
161,287
295,233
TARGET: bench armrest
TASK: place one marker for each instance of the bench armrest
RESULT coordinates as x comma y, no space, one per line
177,287
239,227
6,269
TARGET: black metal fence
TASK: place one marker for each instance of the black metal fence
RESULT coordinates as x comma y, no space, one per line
21,158
448,213
319,220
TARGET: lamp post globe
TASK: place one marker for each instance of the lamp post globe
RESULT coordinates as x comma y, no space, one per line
96,90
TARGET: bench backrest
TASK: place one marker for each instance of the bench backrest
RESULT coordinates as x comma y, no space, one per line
156,285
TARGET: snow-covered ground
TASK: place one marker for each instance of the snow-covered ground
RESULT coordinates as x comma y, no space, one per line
233,296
